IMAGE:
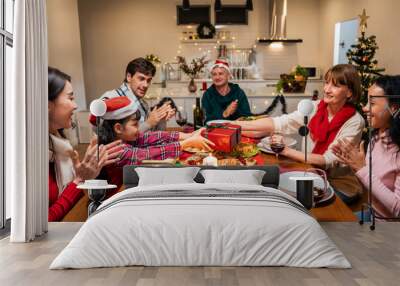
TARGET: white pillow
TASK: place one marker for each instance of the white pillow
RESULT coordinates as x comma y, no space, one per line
248,177
166,176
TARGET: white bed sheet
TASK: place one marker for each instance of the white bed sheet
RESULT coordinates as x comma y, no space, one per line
200,232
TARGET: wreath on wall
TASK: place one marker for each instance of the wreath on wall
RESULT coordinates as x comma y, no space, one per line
206,31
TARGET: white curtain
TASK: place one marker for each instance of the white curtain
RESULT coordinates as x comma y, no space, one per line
27,123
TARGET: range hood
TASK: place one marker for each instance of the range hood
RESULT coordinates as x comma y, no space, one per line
278,24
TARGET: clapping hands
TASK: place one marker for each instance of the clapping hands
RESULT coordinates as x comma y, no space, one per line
164,112
89,167
350,154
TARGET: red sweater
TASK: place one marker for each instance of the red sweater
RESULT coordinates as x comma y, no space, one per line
59,206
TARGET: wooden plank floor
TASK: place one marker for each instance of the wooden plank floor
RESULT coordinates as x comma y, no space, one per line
375,257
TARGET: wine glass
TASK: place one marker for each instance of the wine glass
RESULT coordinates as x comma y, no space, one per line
277,143
181,117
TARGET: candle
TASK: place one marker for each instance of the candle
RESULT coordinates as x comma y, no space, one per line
210,160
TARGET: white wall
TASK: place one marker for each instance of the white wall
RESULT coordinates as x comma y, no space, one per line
114,32
384,22
64,43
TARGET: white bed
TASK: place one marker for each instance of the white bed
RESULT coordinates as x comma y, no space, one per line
201,224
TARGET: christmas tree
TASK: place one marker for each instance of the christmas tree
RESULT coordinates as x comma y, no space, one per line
361,55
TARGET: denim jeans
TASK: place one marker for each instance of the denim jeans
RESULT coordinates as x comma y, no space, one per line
367,215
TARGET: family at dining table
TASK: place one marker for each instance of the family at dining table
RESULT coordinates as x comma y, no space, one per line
131,131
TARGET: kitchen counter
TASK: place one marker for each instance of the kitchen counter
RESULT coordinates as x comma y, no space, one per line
208,80
182,92
252,87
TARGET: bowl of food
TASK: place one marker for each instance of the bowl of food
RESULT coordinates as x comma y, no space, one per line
229,162
246,150
196,150
194,160
250,162
318,193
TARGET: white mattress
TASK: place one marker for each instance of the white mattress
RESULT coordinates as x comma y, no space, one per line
189,231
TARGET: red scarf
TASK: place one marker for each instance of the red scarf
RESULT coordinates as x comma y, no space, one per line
324,132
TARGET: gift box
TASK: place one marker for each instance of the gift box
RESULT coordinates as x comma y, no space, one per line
224,136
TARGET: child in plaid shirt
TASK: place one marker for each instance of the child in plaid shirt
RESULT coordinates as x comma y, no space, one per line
121,121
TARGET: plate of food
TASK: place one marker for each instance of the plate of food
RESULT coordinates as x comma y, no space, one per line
264,144
219,121
264,149
289,141
229,162
251,117
250,162
320,195
194,160
196,150
169,161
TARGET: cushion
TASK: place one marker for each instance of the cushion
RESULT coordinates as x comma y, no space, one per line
271,177
248,177
163,176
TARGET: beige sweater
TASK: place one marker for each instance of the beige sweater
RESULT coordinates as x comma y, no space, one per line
351,129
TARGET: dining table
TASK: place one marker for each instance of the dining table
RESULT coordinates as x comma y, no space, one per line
334,211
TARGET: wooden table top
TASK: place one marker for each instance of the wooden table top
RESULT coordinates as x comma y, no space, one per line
335,211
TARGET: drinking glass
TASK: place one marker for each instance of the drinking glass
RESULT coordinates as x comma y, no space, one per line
181,117
277,143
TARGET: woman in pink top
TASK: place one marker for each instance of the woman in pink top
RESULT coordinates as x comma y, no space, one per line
385,119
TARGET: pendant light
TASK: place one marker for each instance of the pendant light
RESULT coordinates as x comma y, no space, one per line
218,6
249,5
185,5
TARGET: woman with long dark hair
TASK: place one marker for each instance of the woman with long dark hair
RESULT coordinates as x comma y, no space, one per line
383,111
65,168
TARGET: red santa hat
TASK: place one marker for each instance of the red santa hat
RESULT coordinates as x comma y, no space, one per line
117,108
221,64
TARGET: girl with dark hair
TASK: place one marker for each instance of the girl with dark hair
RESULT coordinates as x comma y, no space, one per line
384,103
121,121
65,168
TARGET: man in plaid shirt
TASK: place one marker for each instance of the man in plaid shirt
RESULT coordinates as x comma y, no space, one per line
139,74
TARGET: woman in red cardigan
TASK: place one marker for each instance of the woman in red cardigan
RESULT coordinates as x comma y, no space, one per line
66,170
